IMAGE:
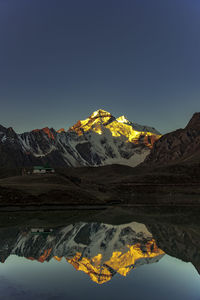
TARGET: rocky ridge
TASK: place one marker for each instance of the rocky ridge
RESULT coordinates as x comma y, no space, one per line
180,146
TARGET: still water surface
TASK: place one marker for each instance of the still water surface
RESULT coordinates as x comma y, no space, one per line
156,259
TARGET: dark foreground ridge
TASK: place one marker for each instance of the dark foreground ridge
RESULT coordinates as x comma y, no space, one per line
109,185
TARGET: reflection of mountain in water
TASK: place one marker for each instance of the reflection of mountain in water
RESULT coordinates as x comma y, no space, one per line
100,250
180,241
101,271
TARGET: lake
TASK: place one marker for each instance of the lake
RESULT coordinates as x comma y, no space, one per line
117,253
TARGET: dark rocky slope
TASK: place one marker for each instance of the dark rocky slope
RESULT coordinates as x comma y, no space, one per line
178,147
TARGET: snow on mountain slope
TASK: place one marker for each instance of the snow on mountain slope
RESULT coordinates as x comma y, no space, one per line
98,140
138,127
101,119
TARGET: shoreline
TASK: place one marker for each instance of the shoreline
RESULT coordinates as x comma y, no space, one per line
61,207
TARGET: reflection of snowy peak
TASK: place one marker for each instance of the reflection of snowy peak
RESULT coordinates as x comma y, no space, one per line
100,250
98,140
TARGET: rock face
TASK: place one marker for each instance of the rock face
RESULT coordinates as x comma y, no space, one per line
182,145
99,250
99,140
179,241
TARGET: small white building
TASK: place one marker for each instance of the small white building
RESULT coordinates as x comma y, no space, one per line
42,170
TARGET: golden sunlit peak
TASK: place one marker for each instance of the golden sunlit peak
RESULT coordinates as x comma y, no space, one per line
94,122
120,127
100,113
123,119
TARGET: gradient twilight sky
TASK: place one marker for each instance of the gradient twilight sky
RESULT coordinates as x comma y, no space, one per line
60,60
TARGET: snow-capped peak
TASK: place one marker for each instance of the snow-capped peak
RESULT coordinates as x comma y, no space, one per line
123,119
100,139
100,113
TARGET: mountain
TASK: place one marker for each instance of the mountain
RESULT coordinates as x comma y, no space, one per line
98,140
180,241
102,119
100,250
180,146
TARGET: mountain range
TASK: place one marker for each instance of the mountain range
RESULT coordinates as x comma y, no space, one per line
100,139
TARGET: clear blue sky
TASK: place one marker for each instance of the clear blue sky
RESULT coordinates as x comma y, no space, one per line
60,60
